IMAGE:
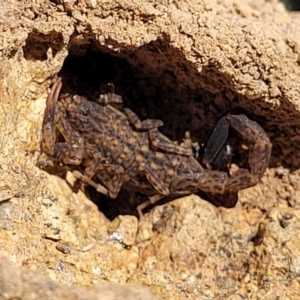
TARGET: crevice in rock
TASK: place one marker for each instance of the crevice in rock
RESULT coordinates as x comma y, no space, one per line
37,45
157,81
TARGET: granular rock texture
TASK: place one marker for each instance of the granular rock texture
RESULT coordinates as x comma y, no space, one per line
24,284
187,63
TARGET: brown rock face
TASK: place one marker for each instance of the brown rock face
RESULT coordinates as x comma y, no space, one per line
187,63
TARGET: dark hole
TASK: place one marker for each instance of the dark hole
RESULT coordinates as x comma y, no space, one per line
156,81
38,44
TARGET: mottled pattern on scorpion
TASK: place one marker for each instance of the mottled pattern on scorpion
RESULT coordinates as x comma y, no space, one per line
116,148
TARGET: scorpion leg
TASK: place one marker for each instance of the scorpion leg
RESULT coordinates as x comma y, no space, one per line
157,198
147,203
158,185
189,144
110,98
157,139
97,186
215,182
70,152
118,177
108,95
113,182
179,186
141,125
151,200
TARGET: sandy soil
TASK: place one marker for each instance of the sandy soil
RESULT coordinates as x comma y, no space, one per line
186,63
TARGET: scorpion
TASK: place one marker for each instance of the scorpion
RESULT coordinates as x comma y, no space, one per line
118,150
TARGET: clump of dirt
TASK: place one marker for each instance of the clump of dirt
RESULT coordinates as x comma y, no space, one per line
187,64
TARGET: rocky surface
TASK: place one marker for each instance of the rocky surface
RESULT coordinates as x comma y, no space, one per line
186,63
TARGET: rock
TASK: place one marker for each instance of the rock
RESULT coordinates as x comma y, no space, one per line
186,63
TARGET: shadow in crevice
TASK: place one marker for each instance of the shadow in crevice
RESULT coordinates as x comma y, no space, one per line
156,81
37,45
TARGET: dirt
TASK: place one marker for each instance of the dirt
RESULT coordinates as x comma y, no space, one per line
186,63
